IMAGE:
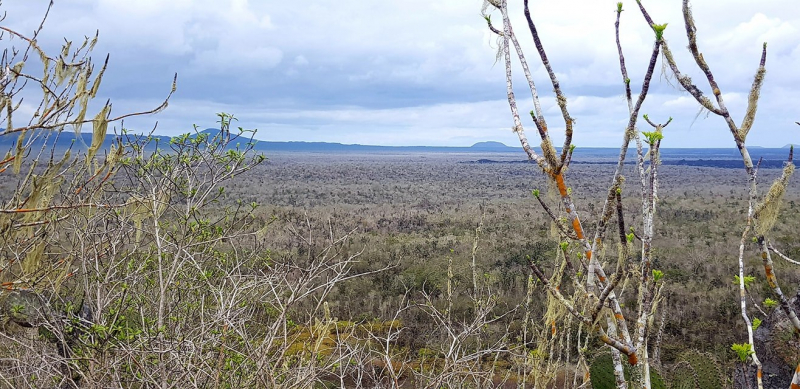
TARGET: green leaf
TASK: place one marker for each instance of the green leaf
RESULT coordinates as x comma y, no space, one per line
653,137
770,303
747,280
657,275
659,29
743,350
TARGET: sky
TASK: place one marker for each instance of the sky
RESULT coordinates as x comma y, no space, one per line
413,72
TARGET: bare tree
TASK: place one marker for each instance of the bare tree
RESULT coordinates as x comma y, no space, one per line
763,211
597,298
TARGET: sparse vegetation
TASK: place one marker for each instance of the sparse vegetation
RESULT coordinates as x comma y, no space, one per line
198,262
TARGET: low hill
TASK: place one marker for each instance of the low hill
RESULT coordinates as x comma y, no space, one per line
490,145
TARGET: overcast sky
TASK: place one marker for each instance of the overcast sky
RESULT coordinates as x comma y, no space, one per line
413,72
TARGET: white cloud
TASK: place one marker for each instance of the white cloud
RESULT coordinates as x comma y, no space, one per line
404,71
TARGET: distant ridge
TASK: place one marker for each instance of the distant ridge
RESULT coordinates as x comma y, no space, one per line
68,139
789,145
490,145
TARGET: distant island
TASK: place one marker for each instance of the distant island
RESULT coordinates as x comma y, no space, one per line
490,145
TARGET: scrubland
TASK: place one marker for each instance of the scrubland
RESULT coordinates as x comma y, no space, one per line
416,213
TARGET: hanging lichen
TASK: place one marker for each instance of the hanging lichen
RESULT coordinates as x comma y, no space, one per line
65,49
98,79
766,212
4,100
45,80
17,69
549,152
99,129
60,71
33,260
83,101
752,103
19,149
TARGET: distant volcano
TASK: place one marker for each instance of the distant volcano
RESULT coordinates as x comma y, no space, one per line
490,145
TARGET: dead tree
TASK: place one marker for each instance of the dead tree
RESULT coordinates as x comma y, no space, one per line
763,211
596,305
597,290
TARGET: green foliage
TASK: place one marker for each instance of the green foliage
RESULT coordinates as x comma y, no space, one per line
742,350
770,303
659,29
684,377
696,370
756,323
653,137
601,373
564,246
657,275
709,372
747,280
619,7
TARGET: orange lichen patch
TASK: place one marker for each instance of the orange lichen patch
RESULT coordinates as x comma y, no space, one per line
553,327
9,159
633,359
619,316
589,254
759,373
770,276
576,224
601,278
562,187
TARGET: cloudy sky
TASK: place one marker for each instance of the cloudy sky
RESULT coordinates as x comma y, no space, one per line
414,72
